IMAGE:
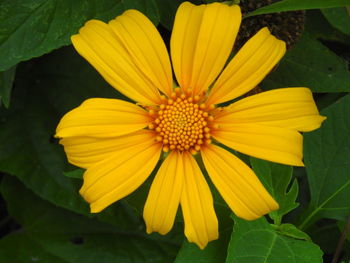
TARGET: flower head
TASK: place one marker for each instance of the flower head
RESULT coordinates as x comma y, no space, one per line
119,143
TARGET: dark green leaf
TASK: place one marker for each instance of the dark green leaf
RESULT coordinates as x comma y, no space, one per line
339,18
31,28
326,235
148,7
320,28
46,89
6,82
258,242
327,152
292,5
52,234
167,10
310,64
277,180
121,215
22,248
323,100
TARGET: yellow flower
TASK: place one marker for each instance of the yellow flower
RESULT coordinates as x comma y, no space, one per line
119,143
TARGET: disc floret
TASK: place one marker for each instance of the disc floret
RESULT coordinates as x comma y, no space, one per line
183,122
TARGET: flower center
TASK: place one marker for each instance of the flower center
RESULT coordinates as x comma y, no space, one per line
182,122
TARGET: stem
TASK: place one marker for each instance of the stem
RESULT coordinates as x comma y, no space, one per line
341,241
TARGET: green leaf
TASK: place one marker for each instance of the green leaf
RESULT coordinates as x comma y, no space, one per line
46,89
214,252
21,247
323,100
293,5
339,18
277,180
310,64
6,82
148,7
31,28
258,242
326,155
51,234
167,11
77,173
319,28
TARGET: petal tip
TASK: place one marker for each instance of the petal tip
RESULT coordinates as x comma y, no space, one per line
273,206
202,247
236,8
265,30
200,243
82,191
95,209
149,230
186,3
74,37
300,164
203,244
133,12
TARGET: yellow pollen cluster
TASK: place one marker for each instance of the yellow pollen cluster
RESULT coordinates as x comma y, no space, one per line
182,123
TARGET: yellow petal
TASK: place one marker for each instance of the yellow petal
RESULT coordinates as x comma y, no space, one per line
265,142
102,118
237,184
164,196
114,178
292,108
201,224
146,47
249,66
201,42
107,52
87,151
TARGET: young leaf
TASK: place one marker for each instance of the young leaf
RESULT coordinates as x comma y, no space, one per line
258,242
290,230
277,179
310,64
292,5
326,155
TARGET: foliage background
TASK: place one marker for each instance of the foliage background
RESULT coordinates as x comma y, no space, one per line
42,217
